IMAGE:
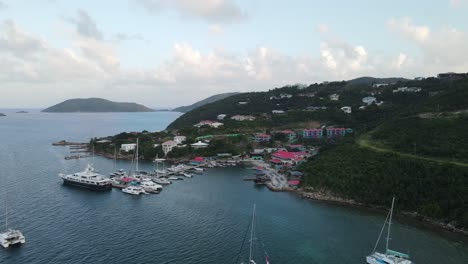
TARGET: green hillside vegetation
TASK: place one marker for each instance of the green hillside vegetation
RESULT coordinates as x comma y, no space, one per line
211,99
441,137
430,189
95,105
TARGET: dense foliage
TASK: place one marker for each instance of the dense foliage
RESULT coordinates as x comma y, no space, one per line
433,190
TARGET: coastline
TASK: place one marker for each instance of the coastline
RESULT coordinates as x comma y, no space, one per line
328,197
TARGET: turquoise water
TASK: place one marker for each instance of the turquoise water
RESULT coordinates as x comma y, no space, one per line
199,220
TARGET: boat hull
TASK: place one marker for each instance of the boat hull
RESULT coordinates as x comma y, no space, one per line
106,187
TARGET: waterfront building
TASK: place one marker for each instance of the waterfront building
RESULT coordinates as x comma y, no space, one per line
287,158
128,147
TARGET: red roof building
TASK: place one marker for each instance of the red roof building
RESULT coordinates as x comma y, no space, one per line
262,138
287,157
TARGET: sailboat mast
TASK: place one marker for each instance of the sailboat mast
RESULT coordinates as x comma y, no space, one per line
137,169
6,213
252,235
390,222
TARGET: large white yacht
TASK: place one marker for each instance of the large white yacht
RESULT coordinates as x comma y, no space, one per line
88,178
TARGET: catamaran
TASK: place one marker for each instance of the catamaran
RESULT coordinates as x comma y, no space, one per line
252,239
390,256
10,237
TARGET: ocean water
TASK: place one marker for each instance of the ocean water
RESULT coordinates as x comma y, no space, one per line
198,220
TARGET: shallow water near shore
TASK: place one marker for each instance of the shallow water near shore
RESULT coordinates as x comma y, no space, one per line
198,220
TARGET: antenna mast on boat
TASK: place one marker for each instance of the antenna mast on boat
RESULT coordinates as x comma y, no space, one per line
6,212
137,169
390,223
252,235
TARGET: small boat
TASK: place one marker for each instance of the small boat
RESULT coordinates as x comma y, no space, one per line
199,169
188,175
151,187
390,256
10,237
173,178
162,181
134,190
89,179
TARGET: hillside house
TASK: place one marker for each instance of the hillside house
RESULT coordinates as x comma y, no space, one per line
199,145
221,117
243,118
179,139
334,97
262,138
407,90
168,146
128,147
369,100
278,112
312,133
346,109
338,131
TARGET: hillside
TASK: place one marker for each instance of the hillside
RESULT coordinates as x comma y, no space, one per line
372,80
95,105
211,99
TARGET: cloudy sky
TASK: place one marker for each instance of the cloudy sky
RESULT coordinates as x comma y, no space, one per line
165,53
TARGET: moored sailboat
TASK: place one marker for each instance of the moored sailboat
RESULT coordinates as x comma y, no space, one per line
10,237
390,256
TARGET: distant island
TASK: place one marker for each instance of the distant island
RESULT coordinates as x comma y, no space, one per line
211,99
2,114
95,105
22,112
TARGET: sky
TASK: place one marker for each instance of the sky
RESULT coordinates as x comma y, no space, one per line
167,53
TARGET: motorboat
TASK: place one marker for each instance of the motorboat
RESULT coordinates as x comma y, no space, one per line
161,181
150,186
134,190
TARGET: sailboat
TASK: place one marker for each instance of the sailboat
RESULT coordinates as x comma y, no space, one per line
10,237
252,240
390,256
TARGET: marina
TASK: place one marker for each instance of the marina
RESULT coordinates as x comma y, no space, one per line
204,217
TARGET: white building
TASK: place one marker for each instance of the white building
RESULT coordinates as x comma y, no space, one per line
168,146
199,144
243,118
281,96
407,90
216,124
346,109
180,139
334,97
278,112
369,100
128,147
243,103
377,85
221,117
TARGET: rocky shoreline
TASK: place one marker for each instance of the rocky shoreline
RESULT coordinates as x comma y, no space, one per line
325,196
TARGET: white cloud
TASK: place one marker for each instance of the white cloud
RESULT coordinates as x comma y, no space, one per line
216,29
406,27
3,5
441,50
220,11
457,3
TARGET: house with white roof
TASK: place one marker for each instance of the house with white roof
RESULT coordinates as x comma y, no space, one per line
369,100
179,139
221,117
243,118
128,147
278,112
346,109
334,97
199,144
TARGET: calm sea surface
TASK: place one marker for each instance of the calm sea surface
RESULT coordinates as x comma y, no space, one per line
199,220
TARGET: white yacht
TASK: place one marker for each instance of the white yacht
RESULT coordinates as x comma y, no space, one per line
88,178
161,181
173,178
390,256
150,186
134,190
10,237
